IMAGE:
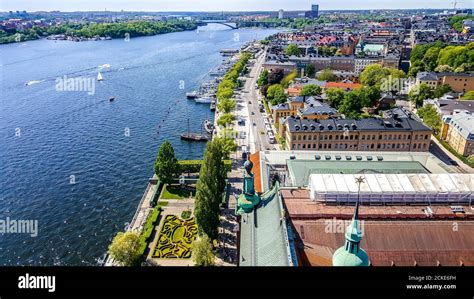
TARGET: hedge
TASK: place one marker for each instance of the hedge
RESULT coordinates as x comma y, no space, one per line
194,166
148,228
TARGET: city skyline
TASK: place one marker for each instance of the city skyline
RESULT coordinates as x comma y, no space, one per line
214,5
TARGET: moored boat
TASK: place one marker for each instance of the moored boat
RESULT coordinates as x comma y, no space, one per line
204,100
192,95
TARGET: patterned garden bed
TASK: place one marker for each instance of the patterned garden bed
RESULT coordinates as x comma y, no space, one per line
175,239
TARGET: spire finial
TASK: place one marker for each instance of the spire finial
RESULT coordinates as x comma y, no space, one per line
359,181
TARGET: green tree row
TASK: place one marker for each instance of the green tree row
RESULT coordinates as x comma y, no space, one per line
114,30
441,57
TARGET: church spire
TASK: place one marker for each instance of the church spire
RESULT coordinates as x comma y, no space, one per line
351,254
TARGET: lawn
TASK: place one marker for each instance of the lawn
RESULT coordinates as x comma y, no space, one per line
175,239
176,192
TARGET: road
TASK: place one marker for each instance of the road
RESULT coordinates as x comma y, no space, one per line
249,96
449,159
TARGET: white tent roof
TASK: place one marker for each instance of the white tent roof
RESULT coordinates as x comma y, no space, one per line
415,184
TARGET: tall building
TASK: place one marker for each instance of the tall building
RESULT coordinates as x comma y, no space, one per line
314,12
280,14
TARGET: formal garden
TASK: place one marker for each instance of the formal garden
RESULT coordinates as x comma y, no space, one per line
176,238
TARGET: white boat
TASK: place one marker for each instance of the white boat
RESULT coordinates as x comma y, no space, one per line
205,100
191,95
99,77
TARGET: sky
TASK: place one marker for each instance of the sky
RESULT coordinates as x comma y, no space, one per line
222,5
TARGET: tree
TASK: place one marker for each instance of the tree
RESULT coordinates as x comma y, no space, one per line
441,90
356,99
124,248
226,105
202,252
419,93
311,90
228,144
209,189
443,68
350,105
327,75
430,59
468,96
375,75
224,92
430,117
276,94
288,78
166,164
335,96
310,70
263,79
292,49
226,119
276,76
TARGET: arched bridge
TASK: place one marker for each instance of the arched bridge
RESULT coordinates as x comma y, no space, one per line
231,25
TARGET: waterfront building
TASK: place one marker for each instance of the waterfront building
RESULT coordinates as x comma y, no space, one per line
410,231
396,133
286,66
304,107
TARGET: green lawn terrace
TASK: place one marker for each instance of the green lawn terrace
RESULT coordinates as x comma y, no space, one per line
177,192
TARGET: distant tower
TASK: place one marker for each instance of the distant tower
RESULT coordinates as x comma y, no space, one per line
280,14
313,13
315,10
351,254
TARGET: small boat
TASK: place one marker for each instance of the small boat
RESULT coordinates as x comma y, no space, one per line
213,106
192,95
208,126
204,100
111,99
99,77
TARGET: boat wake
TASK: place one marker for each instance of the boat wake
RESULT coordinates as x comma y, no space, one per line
33,82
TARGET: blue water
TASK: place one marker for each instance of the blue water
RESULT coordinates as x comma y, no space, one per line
47,136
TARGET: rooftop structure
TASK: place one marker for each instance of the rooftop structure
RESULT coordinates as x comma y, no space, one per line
396,133
264,239
413,188
396,233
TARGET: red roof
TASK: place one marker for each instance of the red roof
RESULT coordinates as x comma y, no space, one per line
342,85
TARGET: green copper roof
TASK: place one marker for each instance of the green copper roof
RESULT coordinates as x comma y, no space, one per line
263,234
346,259
300,170
373,48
